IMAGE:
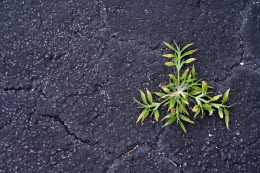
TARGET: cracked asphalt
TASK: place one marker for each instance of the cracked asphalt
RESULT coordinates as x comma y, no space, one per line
69,71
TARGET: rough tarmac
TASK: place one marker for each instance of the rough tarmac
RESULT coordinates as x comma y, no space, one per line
69,71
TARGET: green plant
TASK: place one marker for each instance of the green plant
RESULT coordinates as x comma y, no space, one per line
180,90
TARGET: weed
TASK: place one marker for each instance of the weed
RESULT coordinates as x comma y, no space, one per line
180,90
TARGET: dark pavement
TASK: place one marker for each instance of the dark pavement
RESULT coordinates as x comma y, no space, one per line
69,71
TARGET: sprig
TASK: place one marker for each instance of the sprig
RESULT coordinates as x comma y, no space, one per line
177,93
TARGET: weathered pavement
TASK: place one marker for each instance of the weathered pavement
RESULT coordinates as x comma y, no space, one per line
69,71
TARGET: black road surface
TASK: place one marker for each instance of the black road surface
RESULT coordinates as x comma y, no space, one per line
69,70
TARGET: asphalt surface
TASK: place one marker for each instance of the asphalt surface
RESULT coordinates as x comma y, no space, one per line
69,71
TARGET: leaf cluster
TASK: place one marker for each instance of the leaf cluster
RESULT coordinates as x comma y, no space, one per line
180,90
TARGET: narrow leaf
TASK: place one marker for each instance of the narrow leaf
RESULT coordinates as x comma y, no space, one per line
220,113
185,47
159,94
189,60
182,126
170,121
169,55
169,116
141,115
197,113
189,53
156,115
166,90
226,117
149,96
170,46
225,97
170,64
215,98
184,75
193,72
185,118
143,97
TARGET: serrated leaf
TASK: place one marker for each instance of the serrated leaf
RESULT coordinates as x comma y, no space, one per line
169,116
170,121
225,97
159,94
215,98
185,47
170,64
169,55
189,60
141,115
182,126
226,116
220,113
143,97
149,96
156,115
189,53
170,46
193,72
185,118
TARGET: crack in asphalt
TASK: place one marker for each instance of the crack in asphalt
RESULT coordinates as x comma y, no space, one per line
146,144
94,145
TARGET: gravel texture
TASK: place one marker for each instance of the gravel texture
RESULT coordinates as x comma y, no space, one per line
69,71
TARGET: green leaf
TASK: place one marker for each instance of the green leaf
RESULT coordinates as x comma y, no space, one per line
170,121
170,46
143,97
156,115
184,75
197,113
149,96
169,55
169,116
184,109
185,118
182,126
145,115
166,90
193,72
196,108
185,47
139,102
170,64
184,100
215,98
197,88
226,117
189,53
172,104
204,87
195,92
225,97
220,113
141,115
159,94
189,60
